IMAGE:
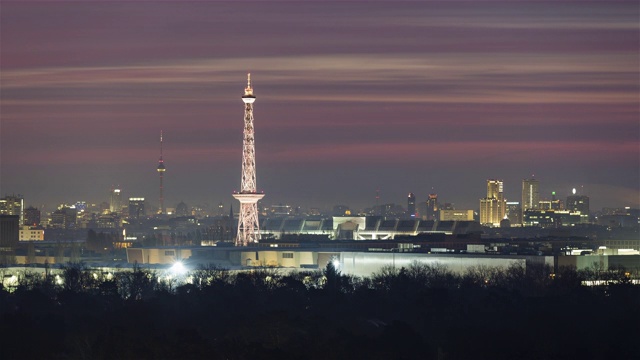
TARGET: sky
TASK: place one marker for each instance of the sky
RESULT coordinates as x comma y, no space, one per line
353,98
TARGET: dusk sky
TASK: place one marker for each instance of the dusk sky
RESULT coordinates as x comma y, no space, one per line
422,97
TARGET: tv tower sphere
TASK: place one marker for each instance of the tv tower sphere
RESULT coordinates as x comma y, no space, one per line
248,225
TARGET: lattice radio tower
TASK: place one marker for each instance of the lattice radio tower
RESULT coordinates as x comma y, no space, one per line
248,226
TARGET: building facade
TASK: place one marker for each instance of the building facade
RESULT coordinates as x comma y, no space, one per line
432,208
578,203
13,205
411,205
64,217
530,194
493,207
28,233
456,215
136,208
9,232
32,216
514,213
115,203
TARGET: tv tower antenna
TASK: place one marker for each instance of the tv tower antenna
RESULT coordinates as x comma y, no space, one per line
161,170
248,226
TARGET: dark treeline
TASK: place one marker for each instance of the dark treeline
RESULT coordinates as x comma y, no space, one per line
418,312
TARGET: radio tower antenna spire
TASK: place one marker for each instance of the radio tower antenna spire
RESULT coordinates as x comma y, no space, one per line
161,170
248,225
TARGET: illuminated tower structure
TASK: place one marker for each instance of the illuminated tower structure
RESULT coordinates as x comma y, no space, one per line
493,207
161,170
530,195
115,204
432,207
248,226
411,205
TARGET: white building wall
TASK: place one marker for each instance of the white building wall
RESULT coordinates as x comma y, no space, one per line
365,264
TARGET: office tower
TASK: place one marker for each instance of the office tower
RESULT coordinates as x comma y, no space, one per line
514,212
9,232
115,203
161,170
65,217
432,207
80,206
577,203
411,205
31,216
530,195
553,204
493,207
556,204
13,205
248,225
136,208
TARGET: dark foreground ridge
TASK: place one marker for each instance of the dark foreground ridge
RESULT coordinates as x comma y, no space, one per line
421,312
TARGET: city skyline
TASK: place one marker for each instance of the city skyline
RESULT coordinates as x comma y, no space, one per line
424,98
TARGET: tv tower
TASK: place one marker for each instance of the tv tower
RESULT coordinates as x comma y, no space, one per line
248,226
161,170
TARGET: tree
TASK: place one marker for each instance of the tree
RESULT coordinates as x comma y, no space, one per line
333,277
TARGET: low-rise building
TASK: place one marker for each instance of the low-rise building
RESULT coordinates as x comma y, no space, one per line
28,233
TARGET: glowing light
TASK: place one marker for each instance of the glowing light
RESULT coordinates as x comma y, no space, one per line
178,268
336,263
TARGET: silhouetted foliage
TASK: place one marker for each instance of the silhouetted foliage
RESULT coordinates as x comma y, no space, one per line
423,311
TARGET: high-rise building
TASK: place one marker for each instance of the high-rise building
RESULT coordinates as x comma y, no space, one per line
411,205
13,205
65,217
115,203
248,225
553,204
432,207
578,203
493,207
31,216
514,212
136,208
161,169
530,194
9,232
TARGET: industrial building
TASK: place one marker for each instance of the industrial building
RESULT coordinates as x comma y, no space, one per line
363,227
